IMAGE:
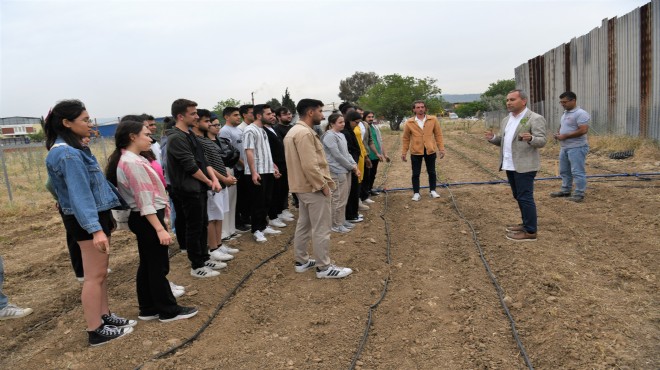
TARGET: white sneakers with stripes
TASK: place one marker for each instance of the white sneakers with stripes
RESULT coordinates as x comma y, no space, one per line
333,272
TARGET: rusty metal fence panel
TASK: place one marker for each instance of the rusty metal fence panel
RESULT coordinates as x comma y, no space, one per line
614,70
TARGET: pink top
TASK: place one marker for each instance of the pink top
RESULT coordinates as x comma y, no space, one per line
139,184
159,171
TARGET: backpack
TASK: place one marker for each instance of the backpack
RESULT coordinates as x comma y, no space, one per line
230,155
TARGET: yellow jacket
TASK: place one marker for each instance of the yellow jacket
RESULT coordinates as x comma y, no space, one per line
363,151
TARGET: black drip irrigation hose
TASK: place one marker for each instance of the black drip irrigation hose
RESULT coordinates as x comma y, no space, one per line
372,308
219,307
493,279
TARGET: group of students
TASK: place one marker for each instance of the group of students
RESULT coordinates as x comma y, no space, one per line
144,177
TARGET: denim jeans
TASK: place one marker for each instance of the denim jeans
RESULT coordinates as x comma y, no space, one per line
416,162
4,301
571,167
522,187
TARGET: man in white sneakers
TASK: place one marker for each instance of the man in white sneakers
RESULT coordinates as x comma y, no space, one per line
309,178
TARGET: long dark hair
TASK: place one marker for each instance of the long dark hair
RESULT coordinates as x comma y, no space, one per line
122,140
54,123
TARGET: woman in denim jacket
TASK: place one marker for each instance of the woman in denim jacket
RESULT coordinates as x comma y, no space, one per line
85,197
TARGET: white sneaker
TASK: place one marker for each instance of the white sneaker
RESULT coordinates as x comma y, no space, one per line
218,255
348,225
369,201
304,267
283,217
416,197
340,229
178,293
277,223
14,312
434,194
227,249
203,272
268,230
215,265
178,287
333,272
363,207
259,237
288,214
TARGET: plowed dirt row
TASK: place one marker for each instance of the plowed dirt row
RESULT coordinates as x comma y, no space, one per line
584,296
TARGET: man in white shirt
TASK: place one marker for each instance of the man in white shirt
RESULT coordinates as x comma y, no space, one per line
522,134
150,122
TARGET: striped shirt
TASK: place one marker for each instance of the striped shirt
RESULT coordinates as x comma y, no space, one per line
254,137
139,184
212,154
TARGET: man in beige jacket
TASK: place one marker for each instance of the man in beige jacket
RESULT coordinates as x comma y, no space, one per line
309,178
522,134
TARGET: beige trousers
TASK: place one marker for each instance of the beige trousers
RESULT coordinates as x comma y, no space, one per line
314,218
340,197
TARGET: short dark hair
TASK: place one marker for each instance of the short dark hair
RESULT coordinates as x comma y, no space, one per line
366,113
228,111
352,116
243,109
357,107
131,117
147,117
203,113
418,102
568,94
343,107
305,105
259,109
281,110
180,106
169,122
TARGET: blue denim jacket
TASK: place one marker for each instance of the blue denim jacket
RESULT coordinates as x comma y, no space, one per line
82,189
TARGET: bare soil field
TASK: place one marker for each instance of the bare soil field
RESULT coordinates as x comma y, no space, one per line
584,296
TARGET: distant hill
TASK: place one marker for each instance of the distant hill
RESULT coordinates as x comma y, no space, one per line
461,98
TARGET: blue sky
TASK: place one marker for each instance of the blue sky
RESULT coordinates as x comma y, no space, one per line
122,57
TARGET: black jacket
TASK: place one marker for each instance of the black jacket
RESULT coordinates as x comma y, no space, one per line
276,148
185,157
282,130
352,143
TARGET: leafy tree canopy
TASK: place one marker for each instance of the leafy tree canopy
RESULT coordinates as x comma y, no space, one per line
274,103
470,109
355,86
288,102
393,96
501,87
222,104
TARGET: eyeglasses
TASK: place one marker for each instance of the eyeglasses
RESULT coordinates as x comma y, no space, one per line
565,101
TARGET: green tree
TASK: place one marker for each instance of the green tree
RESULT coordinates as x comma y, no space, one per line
38,136
222,104
501,87
470,109
352,88
393,96
274,103
288,102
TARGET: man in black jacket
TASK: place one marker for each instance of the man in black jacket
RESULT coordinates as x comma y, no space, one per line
190,177
284,118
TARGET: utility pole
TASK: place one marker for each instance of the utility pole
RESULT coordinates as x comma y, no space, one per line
252,93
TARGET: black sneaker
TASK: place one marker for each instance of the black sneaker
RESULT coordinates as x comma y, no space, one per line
120,322
226,238
560,194
105,333
243,228
184,313
576,198
147,316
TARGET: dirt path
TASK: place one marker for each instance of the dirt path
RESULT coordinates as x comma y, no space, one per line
584,296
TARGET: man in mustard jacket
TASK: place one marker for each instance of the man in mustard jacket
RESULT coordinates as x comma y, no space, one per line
521,135
423,136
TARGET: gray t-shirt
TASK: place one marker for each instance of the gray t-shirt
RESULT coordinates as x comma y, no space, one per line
235,137
570,121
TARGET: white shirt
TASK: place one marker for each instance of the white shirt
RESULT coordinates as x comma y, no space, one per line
363,130
420,122
507,140
155,147
242,126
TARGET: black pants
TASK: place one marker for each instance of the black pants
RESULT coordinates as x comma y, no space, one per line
242,198
416,162
153,290
522,187
281,193
192,225
260,197
74,251
353,198
368,179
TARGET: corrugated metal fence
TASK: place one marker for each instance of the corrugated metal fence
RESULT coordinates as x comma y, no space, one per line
614,70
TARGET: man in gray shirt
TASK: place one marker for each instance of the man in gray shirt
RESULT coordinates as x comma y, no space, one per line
572,137
234,134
